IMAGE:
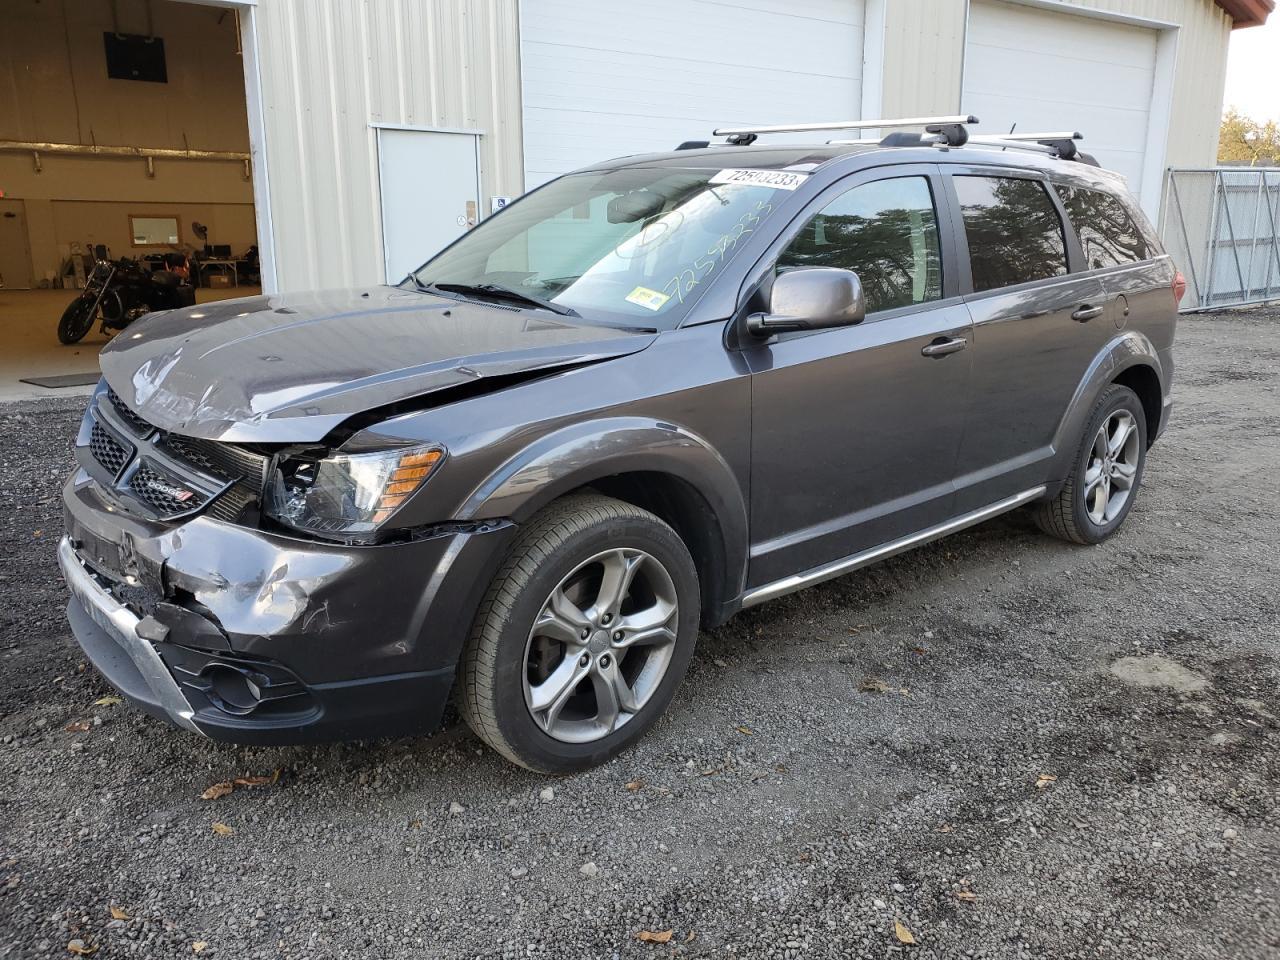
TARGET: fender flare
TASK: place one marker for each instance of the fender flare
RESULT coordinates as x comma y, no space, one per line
577,455
1128,349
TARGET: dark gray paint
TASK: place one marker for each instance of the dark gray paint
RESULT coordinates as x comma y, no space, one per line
795,452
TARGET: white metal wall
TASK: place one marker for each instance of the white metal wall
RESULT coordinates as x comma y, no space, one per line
924,57
329,72
604,78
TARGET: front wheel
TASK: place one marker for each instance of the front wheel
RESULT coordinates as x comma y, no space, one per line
583,636
77,320
1100,491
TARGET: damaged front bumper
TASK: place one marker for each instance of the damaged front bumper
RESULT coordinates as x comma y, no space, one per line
252,637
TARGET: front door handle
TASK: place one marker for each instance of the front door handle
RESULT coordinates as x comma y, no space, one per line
943,347
1086,313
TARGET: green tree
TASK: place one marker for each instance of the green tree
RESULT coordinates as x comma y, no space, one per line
1242,140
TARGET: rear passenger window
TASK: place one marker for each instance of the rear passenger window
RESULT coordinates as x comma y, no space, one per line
886,232
1014,232
1108,233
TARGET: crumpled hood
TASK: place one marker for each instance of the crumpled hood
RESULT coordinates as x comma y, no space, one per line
290,368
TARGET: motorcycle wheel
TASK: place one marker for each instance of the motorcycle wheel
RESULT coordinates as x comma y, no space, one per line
77,320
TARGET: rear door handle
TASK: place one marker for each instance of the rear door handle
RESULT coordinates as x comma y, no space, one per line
943,347
1086,313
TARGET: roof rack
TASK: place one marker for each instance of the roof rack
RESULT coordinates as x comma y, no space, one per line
947,131
1062,145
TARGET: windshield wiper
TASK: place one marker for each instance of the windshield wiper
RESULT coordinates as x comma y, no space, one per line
497,291
416,282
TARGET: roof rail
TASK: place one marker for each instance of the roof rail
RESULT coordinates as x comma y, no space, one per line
949,131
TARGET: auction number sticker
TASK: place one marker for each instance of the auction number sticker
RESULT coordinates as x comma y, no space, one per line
775,179
649,299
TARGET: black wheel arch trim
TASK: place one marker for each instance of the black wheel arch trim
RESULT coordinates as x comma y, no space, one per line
586,453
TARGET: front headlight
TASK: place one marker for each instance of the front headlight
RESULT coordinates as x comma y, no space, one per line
346,495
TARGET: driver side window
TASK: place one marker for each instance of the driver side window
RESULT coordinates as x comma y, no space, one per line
886,232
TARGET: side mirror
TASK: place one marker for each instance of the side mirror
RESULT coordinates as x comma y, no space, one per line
811,298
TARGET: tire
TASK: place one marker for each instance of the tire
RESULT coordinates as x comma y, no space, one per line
77,320
521,652
1090,508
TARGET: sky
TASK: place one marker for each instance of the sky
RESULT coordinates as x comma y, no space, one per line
1253,71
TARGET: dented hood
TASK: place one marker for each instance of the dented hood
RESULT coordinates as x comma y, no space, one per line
290,368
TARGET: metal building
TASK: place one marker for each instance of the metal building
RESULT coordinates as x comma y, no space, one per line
380,129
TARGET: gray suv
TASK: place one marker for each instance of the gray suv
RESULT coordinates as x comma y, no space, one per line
645,396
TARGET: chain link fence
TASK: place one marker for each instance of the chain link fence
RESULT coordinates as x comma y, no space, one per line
1222,228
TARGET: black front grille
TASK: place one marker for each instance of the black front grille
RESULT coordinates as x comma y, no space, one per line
164,495
131,419
231,504
109,452
223,460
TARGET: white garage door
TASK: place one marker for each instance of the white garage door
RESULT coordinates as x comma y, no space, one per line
1045,70
605,78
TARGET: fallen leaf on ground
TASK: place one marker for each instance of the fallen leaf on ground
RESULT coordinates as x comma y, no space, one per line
107,701
217,790
198,946
945,828
118,914
81,949
689,938
902,933
635,785
257,781
79,726
967,896
872,685
221,829
1044,780
655,936
745,731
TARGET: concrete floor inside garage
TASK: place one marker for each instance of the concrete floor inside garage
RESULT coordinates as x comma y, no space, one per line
29,344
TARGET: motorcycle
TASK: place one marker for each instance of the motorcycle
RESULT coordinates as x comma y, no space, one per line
121,291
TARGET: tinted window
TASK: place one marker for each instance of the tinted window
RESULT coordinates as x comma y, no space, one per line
886,232
1015,235
1108,233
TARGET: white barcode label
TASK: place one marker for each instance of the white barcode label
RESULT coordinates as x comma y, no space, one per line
774,179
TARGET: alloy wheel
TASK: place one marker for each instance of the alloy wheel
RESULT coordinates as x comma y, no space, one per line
600,645
1112,468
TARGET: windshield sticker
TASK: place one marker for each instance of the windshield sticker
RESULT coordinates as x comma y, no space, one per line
774,179
649,299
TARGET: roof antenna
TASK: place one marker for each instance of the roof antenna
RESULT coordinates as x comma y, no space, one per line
1011,129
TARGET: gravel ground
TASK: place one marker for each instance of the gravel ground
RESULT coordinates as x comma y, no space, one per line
1010,746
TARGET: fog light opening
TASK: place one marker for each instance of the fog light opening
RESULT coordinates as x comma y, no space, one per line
233,690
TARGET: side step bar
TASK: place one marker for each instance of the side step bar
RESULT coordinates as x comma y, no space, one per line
838,568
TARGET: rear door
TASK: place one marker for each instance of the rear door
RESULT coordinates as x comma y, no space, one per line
1036,327
854,431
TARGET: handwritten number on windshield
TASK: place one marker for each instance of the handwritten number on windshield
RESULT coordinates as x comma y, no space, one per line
688,278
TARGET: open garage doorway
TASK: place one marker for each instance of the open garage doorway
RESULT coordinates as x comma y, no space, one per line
123,136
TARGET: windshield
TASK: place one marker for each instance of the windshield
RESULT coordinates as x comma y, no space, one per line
629,247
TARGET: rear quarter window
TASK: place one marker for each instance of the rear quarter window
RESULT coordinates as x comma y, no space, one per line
1013,230
1109,234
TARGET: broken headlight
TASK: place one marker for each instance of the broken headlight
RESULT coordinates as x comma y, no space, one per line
348,494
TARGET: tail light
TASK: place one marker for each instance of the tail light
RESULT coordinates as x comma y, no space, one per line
1179,288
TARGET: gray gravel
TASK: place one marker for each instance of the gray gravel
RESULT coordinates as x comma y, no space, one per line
1084,739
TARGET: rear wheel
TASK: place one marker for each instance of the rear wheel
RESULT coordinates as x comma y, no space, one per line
1108,470
77,320
583,636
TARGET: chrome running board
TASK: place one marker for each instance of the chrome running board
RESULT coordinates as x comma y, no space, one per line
837,568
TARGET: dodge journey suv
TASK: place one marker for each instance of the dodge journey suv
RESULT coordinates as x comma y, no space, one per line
643,397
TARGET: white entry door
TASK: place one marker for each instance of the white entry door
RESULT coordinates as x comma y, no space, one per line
430,190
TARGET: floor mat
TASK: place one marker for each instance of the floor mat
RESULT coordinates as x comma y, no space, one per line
63,380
